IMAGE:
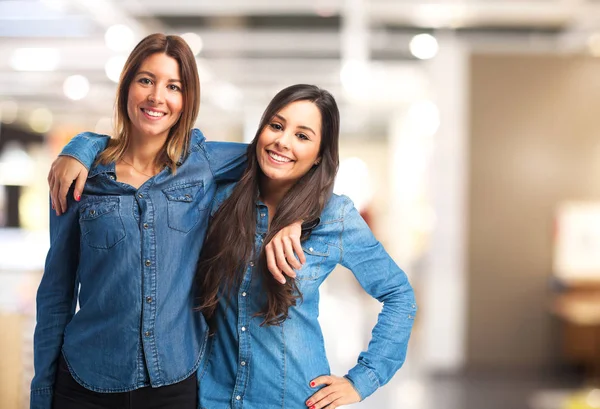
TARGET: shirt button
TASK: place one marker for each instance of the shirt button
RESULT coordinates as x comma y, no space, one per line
238,397
145,225
148,263
252,264
243,363
148,300
243,329
244,294
310,249
140,195
147,333
112,177
262,215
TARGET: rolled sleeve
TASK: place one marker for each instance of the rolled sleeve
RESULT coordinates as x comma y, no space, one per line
85,147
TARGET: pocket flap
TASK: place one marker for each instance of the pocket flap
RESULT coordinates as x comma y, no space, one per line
183,193
96,209
315,248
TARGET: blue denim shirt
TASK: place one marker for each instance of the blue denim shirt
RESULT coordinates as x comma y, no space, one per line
128,256
255,367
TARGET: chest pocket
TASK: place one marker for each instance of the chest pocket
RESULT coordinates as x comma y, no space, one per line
101,224
183,205
316,254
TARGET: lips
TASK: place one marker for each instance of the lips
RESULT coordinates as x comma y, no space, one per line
278,158
153,113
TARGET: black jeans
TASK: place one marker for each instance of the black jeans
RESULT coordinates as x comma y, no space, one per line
68,394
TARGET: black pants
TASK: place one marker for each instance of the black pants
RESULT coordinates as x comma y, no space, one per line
68,394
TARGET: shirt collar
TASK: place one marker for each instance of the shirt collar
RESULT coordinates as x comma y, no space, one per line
101,168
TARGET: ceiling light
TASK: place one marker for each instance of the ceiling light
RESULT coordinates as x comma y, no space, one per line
40,120
76,87
114,66
194,41
424,46
35,59
119,38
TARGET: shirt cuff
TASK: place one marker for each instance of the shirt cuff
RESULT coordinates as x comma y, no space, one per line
84,148
364,380
41,398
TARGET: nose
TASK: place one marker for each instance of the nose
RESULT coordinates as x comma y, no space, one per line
156,95
283,142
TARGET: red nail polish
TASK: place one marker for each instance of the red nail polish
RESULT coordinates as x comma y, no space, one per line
309,403
312,407
312,384
52,206
78,198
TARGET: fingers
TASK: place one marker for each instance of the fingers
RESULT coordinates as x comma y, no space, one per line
339,391
282,263
272,265
294,235
298,248
62,196
50,185
79,185
54,189
288,250
64,171
328,401
321,380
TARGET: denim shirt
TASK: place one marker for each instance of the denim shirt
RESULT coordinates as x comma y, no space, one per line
252,366
128,256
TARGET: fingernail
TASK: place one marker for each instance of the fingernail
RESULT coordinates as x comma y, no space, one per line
312,407
312,384
78,198
52,206
309,403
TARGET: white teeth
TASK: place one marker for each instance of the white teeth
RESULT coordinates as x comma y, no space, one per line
154,113
279,158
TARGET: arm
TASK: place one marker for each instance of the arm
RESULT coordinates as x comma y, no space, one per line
227,160
73,164
56,301
379,275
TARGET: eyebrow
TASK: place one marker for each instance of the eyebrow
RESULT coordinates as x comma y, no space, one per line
299,126
148,73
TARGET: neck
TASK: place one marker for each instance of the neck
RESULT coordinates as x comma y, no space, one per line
142,152
272,192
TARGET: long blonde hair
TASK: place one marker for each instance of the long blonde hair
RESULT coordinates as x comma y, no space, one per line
179,135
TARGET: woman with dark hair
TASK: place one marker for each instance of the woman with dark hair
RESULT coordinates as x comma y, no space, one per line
267,347
126,249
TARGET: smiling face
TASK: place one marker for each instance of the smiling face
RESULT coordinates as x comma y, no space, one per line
155,99
289,144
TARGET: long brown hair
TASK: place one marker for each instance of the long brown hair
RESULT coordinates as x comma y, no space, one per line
179,135
229,244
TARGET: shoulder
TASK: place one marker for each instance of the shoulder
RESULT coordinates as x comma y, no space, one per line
224,190
336,208
197,140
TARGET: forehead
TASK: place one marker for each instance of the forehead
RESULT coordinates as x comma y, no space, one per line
302,113
161,64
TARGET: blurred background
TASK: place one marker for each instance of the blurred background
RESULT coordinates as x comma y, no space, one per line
470,143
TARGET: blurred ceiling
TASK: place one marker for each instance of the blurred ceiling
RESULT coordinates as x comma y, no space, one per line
253,48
